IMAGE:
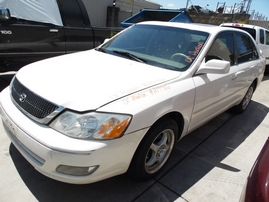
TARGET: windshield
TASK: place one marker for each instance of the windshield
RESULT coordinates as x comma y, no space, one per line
46,11
166,47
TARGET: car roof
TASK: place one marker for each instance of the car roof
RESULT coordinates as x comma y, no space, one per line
236,25
193,26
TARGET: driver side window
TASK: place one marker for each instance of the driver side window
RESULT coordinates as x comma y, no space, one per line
222,48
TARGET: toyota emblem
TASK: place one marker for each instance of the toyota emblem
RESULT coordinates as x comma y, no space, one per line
22,97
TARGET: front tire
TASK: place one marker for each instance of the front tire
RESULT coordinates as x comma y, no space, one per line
154,150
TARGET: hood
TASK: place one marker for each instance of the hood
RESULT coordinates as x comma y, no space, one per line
90,79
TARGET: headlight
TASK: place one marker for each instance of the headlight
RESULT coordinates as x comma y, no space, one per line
91,125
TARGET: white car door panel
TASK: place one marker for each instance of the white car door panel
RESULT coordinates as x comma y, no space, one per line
213,96
215,92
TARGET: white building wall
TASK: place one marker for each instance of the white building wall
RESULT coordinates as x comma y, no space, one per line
97,9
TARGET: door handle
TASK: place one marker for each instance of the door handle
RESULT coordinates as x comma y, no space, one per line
236,74
54,30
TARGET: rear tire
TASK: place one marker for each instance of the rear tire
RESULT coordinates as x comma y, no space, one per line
154,150
266,69
246,100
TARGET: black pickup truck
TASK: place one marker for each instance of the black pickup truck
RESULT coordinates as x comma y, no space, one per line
35,30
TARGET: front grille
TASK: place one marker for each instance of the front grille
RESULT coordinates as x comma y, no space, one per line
29,102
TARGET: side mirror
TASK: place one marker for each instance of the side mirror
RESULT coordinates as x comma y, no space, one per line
214,66
4,14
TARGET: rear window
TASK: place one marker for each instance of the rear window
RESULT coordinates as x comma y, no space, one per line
251,31
267,37
245,48
261,36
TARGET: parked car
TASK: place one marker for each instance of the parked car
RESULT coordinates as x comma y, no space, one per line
256,187
35,30
260,35
121,107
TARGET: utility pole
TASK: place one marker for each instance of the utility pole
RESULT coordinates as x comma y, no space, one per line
132,1
187,4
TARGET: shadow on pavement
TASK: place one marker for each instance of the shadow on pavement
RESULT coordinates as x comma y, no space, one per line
213,148
193,157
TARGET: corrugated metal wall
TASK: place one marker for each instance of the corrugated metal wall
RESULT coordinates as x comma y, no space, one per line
261,23
97,9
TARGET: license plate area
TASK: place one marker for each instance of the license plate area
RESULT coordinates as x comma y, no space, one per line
12,128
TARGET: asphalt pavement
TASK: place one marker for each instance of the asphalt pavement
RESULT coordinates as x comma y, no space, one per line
209,165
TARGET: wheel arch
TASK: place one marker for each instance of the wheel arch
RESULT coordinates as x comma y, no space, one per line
255,82
177,117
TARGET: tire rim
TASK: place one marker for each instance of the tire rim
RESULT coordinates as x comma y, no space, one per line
247,97
159,151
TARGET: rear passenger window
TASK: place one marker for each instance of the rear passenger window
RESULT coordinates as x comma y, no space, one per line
261,36
246,50
72,14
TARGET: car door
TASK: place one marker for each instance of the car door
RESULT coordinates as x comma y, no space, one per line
266,46
260,39
246,62
25,42
215,93
78,30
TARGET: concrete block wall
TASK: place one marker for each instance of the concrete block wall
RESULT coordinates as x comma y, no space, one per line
217,18
261,23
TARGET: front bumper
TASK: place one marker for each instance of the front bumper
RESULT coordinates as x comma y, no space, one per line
47,150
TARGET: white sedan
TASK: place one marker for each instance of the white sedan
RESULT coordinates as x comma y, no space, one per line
88,116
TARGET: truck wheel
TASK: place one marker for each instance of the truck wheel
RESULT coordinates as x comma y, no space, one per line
246,100
154,150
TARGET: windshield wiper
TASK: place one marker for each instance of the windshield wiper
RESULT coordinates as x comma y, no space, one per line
130,55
